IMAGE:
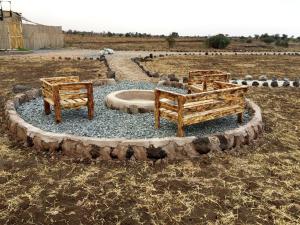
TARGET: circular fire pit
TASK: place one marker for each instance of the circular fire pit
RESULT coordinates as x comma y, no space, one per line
113,135
131,101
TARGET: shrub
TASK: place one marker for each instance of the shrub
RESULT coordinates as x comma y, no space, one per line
282,43
268,40
219,41
171,41
249,41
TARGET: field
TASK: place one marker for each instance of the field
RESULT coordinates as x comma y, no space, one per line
258,184
160,44
239,66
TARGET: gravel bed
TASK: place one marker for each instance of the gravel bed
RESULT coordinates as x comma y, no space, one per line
116,124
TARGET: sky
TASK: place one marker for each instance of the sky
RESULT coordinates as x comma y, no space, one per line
187,17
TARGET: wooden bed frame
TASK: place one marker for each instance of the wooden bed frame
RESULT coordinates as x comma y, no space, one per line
67,93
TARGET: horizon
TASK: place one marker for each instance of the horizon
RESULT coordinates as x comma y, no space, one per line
162,18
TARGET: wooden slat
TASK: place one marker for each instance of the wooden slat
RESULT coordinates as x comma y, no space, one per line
170,115
212,114
168,106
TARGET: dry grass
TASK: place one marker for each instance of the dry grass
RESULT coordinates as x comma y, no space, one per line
255,185
160,44
238,66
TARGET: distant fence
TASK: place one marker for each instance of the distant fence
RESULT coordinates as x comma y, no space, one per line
39,36
4,39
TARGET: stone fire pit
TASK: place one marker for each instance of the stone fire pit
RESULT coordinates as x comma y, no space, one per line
115,135
131,101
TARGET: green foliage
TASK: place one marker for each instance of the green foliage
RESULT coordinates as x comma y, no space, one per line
174,35
219,41
282,43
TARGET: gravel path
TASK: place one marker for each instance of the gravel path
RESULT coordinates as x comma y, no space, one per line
113,123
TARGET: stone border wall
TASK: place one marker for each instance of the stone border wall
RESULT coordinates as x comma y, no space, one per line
155,149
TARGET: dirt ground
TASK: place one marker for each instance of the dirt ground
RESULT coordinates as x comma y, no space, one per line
255,185
239,66
160,44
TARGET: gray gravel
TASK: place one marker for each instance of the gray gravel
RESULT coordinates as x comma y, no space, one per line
115,124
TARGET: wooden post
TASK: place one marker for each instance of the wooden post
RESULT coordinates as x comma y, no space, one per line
156,110
240,118
56,100
47,107
205,84
180,128
90,101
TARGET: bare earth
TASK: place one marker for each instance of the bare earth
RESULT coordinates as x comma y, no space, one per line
258,184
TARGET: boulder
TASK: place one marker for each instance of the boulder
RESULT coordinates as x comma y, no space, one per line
255,83
248,77
286,83
296,83
265,84
274,83
244,82
263,78
20,88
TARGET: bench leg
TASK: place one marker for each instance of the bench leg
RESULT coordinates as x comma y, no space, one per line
91,112
180,130
240,118
47,108
57,110
157,118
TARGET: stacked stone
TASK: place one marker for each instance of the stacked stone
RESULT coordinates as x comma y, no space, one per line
155,149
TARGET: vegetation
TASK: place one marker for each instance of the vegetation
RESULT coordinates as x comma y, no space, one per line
219,41
255,185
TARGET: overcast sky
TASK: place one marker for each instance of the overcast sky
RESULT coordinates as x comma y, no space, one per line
187,17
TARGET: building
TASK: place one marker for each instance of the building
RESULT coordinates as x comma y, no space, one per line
17,32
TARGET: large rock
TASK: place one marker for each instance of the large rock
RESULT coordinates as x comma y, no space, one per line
286,83
274,83
255,83
20,88
248,77
296,83
263,78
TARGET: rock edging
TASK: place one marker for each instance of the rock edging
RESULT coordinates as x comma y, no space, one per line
155,149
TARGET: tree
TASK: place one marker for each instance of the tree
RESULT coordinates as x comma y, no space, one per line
174,35
171,41
219,41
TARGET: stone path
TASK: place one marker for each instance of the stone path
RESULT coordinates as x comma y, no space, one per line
125,69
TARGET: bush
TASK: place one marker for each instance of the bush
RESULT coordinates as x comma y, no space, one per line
268,40
171,41
249,41
219,41
282,43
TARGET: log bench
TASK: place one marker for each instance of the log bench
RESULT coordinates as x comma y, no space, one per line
67,93
226,99
201,80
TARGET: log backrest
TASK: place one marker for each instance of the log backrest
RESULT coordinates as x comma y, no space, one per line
206,76
226,95
65,88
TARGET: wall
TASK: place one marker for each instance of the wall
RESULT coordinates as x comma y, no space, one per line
39,36
11,31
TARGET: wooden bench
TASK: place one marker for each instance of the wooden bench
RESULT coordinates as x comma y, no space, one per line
200,80
67,93
226,99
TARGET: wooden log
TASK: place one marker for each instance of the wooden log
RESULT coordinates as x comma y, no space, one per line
180,124
56,100
47,107
157,108
90,101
